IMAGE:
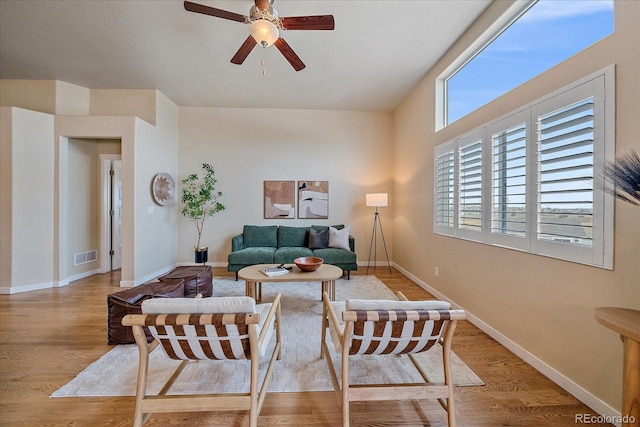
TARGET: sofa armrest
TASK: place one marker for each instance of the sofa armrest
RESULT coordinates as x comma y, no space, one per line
237,243
352,243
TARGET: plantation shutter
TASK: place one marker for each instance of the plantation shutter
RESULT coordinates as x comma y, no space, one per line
470,169
444,190
565,175
573,217
509,208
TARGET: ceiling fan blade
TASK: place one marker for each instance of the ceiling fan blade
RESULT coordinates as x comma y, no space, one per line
212,11
319,22
289,54
244,50
263,4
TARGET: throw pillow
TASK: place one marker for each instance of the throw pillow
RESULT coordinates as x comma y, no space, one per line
318,239
339,238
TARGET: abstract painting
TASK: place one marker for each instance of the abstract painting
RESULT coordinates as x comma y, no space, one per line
313,199
279,199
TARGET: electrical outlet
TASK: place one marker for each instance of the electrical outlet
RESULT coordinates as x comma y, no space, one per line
436,271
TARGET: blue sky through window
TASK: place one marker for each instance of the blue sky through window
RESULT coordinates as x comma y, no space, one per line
548,33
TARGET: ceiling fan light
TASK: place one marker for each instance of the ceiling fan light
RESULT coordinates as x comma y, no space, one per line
264,32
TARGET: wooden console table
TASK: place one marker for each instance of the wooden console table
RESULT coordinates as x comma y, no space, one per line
626,322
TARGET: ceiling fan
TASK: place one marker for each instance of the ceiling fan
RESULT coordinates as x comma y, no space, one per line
264,26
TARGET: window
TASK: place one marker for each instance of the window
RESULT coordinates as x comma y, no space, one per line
531,38
534,189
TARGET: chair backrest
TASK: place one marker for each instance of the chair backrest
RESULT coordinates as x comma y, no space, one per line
203,328
397,331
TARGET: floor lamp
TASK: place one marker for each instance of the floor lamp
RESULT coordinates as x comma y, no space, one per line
377,200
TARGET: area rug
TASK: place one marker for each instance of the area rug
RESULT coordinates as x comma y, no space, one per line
300,369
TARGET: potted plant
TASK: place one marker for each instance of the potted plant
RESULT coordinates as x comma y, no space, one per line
200,202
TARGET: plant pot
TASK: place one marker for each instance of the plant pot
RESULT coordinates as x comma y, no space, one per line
201,255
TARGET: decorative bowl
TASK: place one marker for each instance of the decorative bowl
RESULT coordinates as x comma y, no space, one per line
308,263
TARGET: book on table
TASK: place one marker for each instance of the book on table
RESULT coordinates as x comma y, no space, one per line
274,271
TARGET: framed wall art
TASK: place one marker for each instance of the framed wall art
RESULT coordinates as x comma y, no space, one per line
279,199
313,199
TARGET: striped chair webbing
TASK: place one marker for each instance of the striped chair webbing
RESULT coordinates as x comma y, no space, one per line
203,336
395,331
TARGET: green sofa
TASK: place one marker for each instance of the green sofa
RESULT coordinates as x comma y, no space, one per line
272,244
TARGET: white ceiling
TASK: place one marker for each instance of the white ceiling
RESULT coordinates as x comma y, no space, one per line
377,53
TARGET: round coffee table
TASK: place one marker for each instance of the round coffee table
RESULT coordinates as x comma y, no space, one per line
254,278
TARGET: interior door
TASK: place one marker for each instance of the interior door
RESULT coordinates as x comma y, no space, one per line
116,215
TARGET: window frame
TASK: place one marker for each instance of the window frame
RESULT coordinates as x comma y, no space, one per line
513,13
599,85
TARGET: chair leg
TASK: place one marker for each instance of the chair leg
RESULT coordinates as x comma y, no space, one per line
143,368
345,377
451,415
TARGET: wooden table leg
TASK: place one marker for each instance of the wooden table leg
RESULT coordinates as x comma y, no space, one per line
258,292
253,290
329,286
631,383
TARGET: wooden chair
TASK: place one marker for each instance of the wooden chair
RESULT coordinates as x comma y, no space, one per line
389,328
191,329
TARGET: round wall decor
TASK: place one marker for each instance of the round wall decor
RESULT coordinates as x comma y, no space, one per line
163,188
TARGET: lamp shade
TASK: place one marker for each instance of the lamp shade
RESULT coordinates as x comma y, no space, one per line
377,199
264,32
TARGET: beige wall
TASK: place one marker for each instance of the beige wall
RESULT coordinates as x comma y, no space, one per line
35,95
27,200
246,147
154,230
539,307
45,96
124,102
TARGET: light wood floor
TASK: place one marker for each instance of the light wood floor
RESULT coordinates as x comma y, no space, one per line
49,336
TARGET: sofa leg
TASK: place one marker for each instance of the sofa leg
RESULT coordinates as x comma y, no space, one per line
236,276
348,275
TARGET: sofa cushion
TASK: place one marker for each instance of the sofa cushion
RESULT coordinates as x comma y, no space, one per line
339,238
286,255
292,236
335,256
250,256
260,236
318,239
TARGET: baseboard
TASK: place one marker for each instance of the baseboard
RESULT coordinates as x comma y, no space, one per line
80,276
580,393
8,290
